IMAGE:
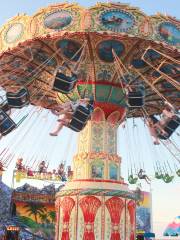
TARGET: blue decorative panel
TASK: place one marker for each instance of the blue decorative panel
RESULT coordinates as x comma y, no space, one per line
117,20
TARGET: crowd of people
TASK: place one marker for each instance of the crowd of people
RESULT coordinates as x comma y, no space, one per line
43,173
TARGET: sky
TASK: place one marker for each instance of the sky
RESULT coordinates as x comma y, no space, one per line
31,138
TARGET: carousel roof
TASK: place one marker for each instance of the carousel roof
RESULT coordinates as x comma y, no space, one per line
32,47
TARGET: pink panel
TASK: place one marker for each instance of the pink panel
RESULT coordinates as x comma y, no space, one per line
98,115
132,211
67,205
115,206
89,206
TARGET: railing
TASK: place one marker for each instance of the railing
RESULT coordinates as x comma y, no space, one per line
24,174
31,197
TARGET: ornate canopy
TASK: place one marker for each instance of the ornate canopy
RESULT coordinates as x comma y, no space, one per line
32,47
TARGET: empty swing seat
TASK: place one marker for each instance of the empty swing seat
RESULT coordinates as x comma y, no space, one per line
136,99
5,107
132,179
19,99
80,117
63,83
6,123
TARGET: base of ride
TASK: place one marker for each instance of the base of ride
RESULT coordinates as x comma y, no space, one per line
95,210
96,204
113,47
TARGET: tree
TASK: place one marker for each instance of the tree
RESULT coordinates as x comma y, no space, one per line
44,217
52,216
35,209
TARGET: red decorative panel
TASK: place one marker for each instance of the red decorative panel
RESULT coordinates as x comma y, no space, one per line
67,205
115,206
89,206
57,208
109,108
98,115
132,211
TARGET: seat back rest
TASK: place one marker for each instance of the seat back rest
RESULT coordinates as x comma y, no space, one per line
63,83
18,99
6,123
171,127
135,99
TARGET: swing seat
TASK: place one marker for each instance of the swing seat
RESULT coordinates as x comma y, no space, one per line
6,123
167,178
178,172
158,175
80,117
18,99
64,84
132,180
171,127
136,99
142,176
5,107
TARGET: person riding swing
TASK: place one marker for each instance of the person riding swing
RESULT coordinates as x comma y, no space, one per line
65,113
142,175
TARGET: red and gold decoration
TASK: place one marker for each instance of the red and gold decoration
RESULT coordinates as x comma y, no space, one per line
96,204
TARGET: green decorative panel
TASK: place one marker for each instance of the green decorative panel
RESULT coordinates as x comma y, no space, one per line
117,96
97,169
102,93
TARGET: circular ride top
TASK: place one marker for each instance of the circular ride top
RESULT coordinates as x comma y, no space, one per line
124,60
113,47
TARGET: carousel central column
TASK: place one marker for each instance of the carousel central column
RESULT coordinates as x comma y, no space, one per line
96,204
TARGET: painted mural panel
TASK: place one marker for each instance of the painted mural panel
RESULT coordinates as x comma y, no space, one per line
14,33
117,20
57,20
113,171
70,49
143,213
170,33
105,48
39,218
97,169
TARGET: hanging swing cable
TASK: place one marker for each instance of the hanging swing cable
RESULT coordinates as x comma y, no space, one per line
168,78
151,85
37,71
50,149
119,71
131,157
68,148
36,163
39,134
40,68
14,70
40,109
13,143
170,151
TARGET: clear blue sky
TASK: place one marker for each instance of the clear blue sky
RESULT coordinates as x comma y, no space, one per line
10,8
163,194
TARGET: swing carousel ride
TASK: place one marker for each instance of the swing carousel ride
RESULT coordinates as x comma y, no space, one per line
127,64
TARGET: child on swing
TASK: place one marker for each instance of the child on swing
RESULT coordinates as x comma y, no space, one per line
168,113
65,112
